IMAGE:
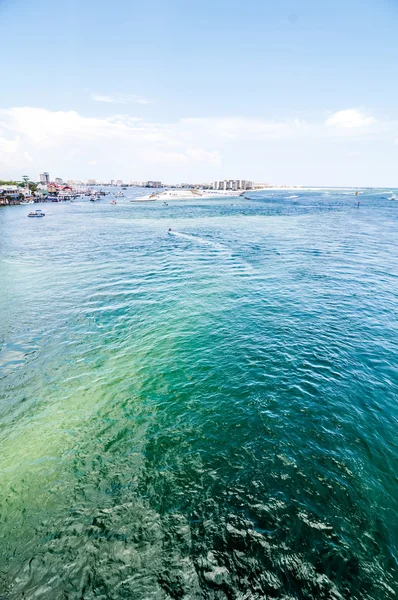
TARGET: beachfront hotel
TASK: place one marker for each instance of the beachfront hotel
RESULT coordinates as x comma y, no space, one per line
233,184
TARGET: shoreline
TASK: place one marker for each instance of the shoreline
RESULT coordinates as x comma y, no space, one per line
210,194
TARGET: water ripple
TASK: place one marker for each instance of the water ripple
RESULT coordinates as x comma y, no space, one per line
209,414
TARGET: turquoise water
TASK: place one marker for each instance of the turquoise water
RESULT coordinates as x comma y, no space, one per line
208,414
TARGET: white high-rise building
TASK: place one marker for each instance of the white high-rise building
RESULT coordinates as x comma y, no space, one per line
233,185
45,178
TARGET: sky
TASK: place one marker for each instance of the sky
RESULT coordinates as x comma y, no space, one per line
288,92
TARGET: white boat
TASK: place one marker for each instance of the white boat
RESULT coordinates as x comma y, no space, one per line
120,195
393,197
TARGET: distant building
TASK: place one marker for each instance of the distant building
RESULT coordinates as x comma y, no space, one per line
119,182
246,185
10,190
52,189
10,194
260,186
59,181
91,181
233,185
44,178
153,184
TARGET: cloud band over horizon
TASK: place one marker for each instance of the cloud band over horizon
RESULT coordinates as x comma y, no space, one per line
197,147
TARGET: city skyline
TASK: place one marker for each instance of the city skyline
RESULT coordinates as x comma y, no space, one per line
296,94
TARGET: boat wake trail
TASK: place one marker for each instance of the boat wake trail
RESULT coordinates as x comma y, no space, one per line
198,240
216,245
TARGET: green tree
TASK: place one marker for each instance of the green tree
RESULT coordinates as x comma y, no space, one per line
25,179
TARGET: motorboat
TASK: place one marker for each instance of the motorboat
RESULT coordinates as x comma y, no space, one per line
113,202
393,197
120,195
37,213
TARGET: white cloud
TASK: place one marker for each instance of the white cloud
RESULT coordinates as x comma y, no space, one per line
241,128
124,143
351,118
9,149
8,146
128,146
120,99
190,155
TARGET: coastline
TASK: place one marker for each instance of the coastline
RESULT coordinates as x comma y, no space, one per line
208,194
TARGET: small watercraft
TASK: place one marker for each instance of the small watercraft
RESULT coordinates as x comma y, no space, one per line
37,213
165,204
120,195
113,202
393,197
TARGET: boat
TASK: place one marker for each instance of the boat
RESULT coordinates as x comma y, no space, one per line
113,202
120,195
393,197
37,213
92,198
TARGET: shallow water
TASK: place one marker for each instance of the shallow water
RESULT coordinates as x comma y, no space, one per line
210,414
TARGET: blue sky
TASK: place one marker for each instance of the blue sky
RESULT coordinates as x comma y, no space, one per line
281,92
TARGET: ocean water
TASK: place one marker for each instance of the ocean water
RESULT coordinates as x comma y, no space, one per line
207,414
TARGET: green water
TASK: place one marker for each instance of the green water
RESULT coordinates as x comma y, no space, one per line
208,414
